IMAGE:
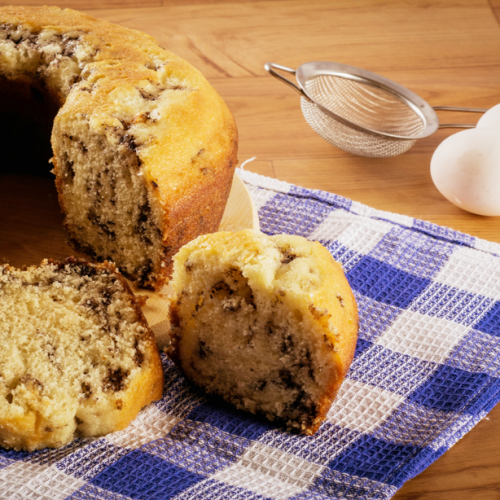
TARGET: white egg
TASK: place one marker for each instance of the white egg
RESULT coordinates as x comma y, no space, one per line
490,119
466,170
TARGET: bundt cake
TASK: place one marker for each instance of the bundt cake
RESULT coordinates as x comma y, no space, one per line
77,356
268,323
144,149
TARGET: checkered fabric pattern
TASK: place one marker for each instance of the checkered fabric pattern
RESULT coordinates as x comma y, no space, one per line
426,370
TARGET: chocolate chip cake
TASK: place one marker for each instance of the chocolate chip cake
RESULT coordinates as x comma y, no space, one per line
268,323
144,149
77,357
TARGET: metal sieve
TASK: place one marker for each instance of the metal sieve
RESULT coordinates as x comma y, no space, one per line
361,112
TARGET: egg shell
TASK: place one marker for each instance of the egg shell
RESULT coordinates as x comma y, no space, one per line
490,119
466,170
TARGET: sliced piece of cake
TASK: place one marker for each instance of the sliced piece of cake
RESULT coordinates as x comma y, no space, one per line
268,323
77,357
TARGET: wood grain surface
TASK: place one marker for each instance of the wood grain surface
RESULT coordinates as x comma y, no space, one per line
447,51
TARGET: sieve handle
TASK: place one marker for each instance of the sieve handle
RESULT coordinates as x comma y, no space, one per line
455,108
270,68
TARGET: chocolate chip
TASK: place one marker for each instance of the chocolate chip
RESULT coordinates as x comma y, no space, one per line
138,356
203,349
128,140
286,379
147,96
317,312
144,223
260,385
303,404
104,228
50,351
69,170
270,329
287,256
31,381
144,212
197,307
287,344
115,380
340,299
86,390
221,286
87,88
306,362
143,272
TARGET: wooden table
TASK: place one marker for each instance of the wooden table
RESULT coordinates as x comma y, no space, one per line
446,51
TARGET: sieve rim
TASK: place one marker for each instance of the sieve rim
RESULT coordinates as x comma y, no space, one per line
419,106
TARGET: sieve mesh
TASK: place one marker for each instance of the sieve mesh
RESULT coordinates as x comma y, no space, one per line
365,105
350,139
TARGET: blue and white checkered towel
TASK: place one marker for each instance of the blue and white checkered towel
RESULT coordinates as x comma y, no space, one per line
426,370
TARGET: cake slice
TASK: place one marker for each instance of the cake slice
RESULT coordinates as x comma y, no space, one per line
77,357
268,323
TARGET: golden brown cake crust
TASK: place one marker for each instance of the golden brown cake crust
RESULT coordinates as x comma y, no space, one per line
44,420
134,93
337,298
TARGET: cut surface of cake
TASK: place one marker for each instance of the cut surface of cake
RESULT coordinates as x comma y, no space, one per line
268,323
77,357
144,148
